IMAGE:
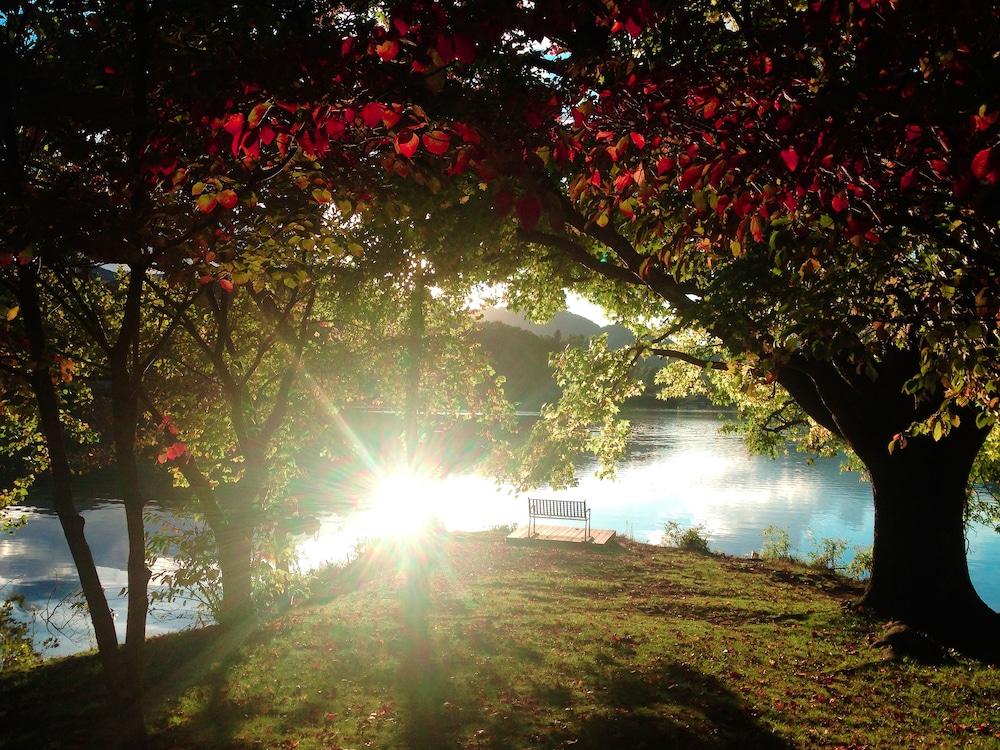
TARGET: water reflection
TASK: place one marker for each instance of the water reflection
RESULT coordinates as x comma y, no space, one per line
678,468
35,561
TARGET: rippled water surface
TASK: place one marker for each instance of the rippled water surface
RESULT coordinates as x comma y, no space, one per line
678,468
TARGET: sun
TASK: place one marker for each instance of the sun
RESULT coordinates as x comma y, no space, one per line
403,504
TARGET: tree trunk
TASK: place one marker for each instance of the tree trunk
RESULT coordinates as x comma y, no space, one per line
125,414
124,682
125,418
919,571
138,573
240,502
233,527
235,542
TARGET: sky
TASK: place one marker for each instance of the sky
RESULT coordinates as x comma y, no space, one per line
580,306
574,303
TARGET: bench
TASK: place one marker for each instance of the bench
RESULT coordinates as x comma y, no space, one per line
567,510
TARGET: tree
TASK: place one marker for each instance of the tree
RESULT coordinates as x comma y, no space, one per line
243,399
824,210
813,186
109,155
150,187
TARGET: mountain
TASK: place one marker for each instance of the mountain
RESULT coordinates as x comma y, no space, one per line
564,324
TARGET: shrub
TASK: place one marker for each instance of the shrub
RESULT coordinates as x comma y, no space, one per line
827,553
17,648
693,538
503,529
860,567
777,545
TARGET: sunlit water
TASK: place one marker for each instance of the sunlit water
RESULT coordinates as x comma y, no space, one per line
678,468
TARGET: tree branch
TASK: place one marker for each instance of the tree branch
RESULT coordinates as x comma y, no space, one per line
705,364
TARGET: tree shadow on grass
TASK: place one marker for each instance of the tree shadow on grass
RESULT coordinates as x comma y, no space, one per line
42,707
64,704
202,660
675,707
669,705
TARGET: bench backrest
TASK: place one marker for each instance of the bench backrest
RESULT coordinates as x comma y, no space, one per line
549,508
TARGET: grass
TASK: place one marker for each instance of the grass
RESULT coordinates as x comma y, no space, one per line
465,642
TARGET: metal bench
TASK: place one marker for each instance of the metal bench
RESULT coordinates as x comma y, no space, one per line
568,510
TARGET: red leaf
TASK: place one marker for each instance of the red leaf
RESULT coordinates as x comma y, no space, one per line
665,164
226,284
529,210
407,142
467,134
390,117
445,49
690,176
257,114
790,158
176,451
595,179
436,142
371,115
622,181
981,164
251,144
465,48
633,27
908,179
227,198
503,202
839,202
388,49
638,140
234,126
334,128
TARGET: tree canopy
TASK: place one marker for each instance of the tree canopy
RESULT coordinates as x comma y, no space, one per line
810,185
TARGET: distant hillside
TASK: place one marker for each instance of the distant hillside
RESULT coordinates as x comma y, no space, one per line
519,351
522,358
564,323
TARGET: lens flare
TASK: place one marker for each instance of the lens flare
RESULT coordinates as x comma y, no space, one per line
403,504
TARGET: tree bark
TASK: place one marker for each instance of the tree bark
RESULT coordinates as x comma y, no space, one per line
125,376
138,573
919,571
123,679
233,526
240,502
235,544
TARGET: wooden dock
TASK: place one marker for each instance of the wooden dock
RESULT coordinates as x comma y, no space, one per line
545,533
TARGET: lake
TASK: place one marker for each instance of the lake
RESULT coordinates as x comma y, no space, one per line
678,468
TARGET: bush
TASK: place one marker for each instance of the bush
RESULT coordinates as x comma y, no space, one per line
17,648
503,529
860,567
777,545
827,553
693,539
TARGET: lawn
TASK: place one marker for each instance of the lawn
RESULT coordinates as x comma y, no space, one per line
461,641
